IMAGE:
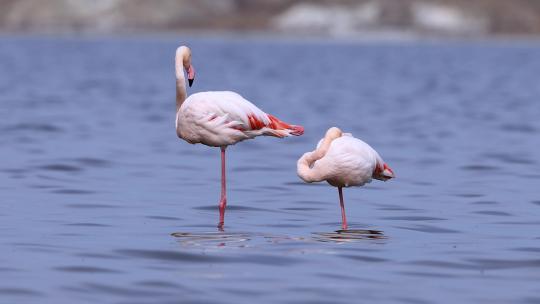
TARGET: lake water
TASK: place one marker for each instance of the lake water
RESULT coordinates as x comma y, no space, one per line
102,203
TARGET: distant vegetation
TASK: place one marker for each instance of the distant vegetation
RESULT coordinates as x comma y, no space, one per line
318,17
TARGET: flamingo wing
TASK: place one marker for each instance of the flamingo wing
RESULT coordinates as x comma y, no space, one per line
348,162
224,118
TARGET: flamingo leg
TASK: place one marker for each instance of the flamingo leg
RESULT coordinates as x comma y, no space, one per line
223,200
343,217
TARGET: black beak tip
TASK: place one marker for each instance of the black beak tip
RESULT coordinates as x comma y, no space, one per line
190,81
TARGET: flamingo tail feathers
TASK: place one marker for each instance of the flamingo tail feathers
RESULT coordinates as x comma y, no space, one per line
284,128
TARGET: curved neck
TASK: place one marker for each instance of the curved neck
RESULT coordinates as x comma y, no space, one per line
306,162
180,84
305,170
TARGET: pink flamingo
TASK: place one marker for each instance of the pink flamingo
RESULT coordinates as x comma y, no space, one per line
220,119
343,161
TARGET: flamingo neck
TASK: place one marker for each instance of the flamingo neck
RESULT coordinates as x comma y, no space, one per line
180,93
180,83
306,170
305,165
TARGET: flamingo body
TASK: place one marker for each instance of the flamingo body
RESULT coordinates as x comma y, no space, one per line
223,118
348,162
343,161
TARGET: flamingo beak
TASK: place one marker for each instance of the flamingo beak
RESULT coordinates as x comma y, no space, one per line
191,75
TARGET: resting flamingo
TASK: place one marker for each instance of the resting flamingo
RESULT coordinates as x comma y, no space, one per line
343,161
220,119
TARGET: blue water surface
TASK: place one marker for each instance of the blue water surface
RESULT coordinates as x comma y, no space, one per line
102,203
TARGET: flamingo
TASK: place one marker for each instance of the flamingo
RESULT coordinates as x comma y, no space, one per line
343,161
220,119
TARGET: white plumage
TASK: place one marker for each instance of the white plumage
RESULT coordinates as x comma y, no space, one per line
220,119
223,118
343,161
348,162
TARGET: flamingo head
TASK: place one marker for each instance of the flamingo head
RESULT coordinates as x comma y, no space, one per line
383,172
183,55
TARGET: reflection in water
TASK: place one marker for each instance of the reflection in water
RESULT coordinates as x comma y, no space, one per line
244,239
212,238
350,235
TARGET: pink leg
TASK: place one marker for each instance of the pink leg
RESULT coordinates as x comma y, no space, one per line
223,200
343,217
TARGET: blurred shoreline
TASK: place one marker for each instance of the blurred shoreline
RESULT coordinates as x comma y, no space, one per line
187,35
341,19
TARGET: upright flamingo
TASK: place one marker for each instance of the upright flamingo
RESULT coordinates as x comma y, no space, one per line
220,119
343,161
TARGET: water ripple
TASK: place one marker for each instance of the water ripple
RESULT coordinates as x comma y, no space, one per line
61,168
185,257
429,229
163,218
211,238
34,127
72,191
491,212
86,269
174,256
351,235
6,291
413,218
92,288
364,258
